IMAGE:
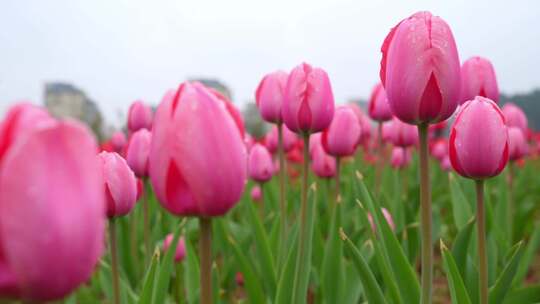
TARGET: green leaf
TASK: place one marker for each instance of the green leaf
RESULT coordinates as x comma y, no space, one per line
526,295
498,291
457,287
332,272
461,246
149,280
461,208
528,256
192,273
372,291
284,291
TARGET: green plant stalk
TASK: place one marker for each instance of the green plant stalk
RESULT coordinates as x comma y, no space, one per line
282,203
146,219
261,205
114,260
425,217
510,213
380,160
338,179
481,229
205,254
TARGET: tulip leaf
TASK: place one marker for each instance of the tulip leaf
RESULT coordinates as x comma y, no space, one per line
498,291
332,272
458,291
461,208
284,291
528,256
526,295
149,280
461,246
192,273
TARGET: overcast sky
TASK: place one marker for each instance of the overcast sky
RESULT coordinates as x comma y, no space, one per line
118,51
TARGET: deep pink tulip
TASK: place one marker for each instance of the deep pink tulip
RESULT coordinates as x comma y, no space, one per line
515,117
387,131
140,189
139,117
364,120
440,149
233,111
420,69
401,157
446,165
120,184
269,96
387,217
118,141
322,164
478,79
341,137
260,165
314,141
51,206
478,142
289,139
379,109
180,253
198,159
308,106
517,144
256,193
403,134
249,141
137,152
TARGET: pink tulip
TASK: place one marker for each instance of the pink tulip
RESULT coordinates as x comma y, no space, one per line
515,117
403,134
256,193
140,188
137,152
315,140
233,111
308,106
379,109
269,96
387,131
401,157
446,165
289,139
341,137
197,161
260,166
420,69
51,207
120,184
364,120
118,141
180,253
249,142
239,278
139,117
478,143
440,149
517,144
322,164
478,79
387,217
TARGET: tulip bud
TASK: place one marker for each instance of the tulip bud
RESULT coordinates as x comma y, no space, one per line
420,69
478,144
403,134
269,96
137,152
401,157
139,117
387,131
365,123
440,149
52,208
478,79
197,161
517,144
180,253
256,193
120,184
341,137
239,278
272,138
118,141
515,117
308,106
260,166
446,165
379,109
322,164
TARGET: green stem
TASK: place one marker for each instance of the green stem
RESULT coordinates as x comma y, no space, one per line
261,203
338,179
114,261
282,202
380,160
205,252
146,220
511,211
425,217
482,258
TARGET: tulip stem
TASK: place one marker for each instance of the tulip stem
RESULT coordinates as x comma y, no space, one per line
114,261
282,204
510,212
380,160
146,219
261,205
425,216
481,229
205,252
338,179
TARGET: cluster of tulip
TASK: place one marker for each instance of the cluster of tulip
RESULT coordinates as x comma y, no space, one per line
194,158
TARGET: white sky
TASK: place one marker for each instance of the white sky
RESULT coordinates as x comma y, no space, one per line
118,51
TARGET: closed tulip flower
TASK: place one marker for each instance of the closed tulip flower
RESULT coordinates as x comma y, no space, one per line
197,159
289,139
440,149
341,137
322,164
51,207
118,141
180,252
517,144
365,123
515,117
379,109
403,134
137,152
233,111
478,143
120,184
420,69
446,165
139,116
260,165
478,79
401,157
308,106
387,131
256,193
269,96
